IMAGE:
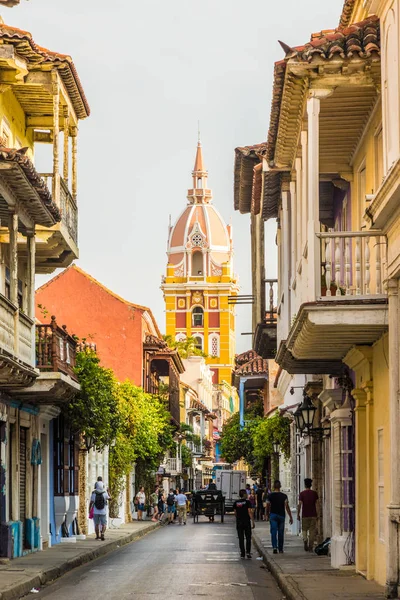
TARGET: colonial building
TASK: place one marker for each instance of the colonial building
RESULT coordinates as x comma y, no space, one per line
329,174
40,96
128,341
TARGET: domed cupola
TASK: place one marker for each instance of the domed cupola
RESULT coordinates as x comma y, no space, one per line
200,242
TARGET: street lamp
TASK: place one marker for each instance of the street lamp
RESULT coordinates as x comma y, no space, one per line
298,417
88,442
308,411
275,446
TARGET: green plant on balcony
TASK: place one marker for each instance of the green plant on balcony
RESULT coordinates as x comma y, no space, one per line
186,456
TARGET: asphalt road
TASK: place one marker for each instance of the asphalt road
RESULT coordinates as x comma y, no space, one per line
175,561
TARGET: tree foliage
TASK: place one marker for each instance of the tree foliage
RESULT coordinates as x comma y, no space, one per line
186,348
270,430
143,437
94,411
237,443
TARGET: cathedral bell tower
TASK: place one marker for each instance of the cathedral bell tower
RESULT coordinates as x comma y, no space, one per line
199,278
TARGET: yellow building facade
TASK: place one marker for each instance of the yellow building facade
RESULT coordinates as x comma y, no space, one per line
199,284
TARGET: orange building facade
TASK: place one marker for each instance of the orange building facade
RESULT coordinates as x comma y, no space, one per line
117,327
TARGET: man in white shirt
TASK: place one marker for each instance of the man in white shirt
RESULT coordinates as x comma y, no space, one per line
99,500
181,502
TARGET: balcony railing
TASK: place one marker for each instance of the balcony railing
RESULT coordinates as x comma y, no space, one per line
271,300
173,465
354,263
15,338
68,208
55,349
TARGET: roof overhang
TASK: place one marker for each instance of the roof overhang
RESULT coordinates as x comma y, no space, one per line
49,388
327,330
22,188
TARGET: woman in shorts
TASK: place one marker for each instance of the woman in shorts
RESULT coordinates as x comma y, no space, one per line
140,503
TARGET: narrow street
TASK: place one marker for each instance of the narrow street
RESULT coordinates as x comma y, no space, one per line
176,561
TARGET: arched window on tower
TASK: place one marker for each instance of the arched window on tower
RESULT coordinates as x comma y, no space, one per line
197,264
213,344
197,317
199,342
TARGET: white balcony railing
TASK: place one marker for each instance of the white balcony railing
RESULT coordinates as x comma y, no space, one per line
173,465
354,263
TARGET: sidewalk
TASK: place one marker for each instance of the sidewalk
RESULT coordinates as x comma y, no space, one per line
19,576
305,576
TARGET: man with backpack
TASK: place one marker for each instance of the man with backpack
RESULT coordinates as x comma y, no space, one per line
171,506
98,501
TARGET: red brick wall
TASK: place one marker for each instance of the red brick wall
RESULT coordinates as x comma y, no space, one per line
90,311
180,320
213,319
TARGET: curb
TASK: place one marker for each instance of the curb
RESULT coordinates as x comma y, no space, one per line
286,582
48,575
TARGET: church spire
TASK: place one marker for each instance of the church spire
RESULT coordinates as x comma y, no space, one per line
199,173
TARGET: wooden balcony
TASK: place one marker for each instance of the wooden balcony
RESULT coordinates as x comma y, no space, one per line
265,335
57,247
55,359
16,347
55,349
347,308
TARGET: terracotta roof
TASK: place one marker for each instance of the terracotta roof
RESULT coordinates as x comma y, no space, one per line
271,194
347,11
9,3
256,366
39,202
152,340
241,359
246,158
357,40
197,405
360,40
36,55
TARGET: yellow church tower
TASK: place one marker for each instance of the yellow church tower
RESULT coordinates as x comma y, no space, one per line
200,280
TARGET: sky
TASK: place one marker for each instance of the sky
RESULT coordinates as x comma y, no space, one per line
151,70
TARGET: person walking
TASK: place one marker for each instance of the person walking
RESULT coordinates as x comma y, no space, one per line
277,504
161,504
140,501
307,507
260,507
181,503
98,501
244,522
253,501
171,510
154,503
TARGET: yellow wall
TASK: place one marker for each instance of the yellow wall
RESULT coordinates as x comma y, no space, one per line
11,109
381,423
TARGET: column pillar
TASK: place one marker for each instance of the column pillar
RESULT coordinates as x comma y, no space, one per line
370,491
74,135
285,258
66,146
361,514
341,423
31,243
56,138
13,231
313,252
293,226
392,548
304,177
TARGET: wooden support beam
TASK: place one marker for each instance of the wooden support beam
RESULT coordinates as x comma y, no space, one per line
56,141
74,134
66,146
